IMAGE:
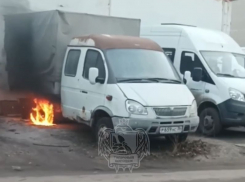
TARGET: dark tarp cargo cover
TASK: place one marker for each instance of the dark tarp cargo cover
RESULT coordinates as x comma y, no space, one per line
35,43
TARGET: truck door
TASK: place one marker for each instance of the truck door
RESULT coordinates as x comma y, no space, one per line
70,91
189,60
95,94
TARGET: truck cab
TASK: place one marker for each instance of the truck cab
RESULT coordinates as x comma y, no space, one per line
217,60
106,78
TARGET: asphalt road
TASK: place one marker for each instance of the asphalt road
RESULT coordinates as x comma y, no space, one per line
233,135
31,152
190,176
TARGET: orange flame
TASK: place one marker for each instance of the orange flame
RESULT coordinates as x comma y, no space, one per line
43,113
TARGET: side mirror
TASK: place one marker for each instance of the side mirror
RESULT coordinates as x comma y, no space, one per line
197,74
187,77
93,74
100,80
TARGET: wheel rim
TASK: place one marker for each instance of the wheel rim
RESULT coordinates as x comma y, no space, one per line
103,126
208,122
99,130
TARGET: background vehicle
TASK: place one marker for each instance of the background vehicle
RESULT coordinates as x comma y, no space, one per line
218,60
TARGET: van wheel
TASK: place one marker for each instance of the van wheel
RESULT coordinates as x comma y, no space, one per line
102,122
180,138
210,122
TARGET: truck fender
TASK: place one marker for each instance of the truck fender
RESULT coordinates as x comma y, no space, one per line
106,110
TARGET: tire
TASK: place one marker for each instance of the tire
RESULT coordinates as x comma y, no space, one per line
180,137
102,122
210,124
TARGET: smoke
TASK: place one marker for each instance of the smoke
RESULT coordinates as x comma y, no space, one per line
8,7
14,6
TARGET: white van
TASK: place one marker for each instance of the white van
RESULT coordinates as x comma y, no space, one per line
218,60
106,78
243,48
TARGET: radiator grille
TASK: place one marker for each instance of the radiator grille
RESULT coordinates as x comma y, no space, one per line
170,111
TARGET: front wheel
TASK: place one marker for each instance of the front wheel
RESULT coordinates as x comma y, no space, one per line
210,122
102,123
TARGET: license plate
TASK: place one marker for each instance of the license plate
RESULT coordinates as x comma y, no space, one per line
173,129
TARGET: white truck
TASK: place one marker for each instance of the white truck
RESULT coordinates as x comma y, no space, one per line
100,78
218,62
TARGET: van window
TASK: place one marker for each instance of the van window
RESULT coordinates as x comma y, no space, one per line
72,63
225,63
189,61
94,59
170,52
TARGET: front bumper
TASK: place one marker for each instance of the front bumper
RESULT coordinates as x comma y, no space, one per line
152,126
232,113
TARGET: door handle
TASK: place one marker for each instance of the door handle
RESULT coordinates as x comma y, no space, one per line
207,91
84,92
194,89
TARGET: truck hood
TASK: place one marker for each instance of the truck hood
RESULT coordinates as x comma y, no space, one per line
236,83
157,94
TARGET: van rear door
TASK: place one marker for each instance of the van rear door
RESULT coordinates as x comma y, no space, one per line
71,96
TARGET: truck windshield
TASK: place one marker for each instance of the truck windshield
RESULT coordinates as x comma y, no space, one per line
137,65
225,64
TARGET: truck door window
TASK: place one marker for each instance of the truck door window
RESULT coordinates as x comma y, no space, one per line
170,52
72,63
189,61
94,59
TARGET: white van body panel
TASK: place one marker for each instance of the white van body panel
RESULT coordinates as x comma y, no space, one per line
191,37
238,84
243,48
117,105
154,94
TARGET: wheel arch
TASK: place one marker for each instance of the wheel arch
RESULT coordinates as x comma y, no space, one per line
100,112
206,104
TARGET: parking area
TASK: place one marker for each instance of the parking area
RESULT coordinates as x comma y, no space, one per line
68,148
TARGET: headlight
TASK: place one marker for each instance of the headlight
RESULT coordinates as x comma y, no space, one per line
193,110
236,95
135,108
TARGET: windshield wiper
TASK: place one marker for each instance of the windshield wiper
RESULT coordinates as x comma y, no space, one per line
224,74
147,80
136,80
165,80
229,75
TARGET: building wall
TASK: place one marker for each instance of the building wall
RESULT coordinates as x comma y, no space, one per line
238,22
100,7
203,13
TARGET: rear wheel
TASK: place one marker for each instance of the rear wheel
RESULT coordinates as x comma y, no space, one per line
177,138
210,122
105,122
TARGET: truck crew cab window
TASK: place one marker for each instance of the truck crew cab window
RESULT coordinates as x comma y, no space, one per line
189,61
94,59
170,52
72,63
